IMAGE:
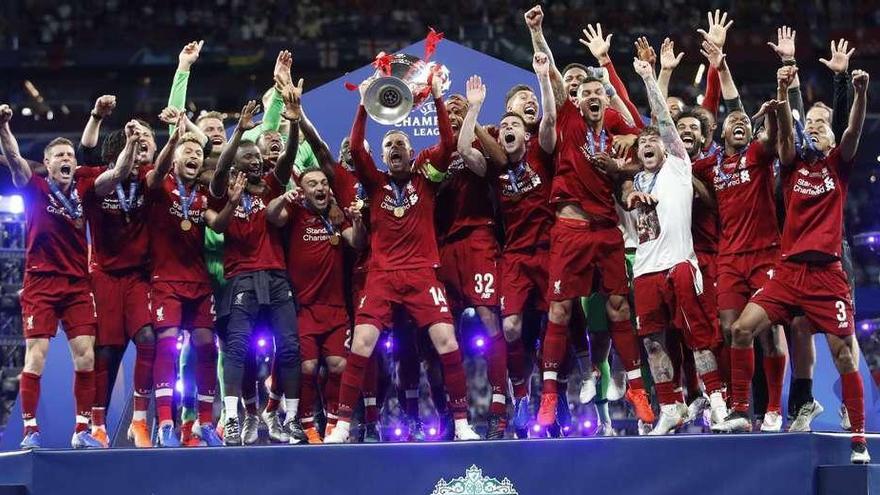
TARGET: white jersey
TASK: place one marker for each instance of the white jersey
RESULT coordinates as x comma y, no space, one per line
664,230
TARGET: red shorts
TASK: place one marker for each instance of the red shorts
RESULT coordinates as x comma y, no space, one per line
669,299
740,275
123,304
323,331
416,290
524,281
709,269
185,305
578,253
46,299
468,269
819,292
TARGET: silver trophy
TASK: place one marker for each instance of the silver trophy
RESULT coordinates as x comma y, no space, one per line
401,83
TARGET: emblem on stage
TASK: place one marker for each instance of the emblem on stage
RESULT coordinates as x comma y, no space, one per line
474,483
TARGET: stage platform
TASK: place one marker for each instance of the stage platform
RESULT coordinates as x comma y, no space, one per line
808,463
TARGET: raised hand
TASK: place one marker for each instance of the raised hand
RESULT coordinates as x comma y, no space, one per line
643,68
768,107
785,76
541,64
596,43
133,130
354,213
622,144
292,96
236,187
640,198
246,120
718,26
281,73
534,18
604,162
189,54
170,115
436,86
475,91
104,105
713,54
294,195
784,46
5,113
644,51
860,80
668,59
839,56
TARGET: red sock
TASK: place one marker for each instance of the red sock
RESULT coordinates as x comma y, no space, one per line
331,394
164,376
350,385
370,392
308,392
742,368
29,388
84,394
712,381
553,353
516,368
853,392
143,375
627,345
722,357
774,371
496,368
666,393
206,380
250,405
456,383
98,414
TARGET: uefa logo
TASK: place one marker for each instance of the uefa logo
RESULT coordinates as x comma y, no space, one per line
474,483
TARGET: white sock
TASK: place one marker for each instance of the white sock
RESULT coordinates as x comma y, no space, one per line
230,406
343,425
292,405
139,416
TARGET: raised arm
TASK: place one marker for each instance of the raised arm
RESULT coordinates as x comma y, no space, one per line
219,221
356,235
318,146
534,21
107,181
187,57
785,147
276,212
364,166
839,63
103,108
718,60
272,115
227,156
476,94
668,63
166,156
21,172
293,112
547,127
659,110
785,49
849,143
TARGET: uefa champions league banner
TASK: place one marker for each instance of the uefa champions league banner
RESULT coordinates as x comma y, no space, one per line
331,107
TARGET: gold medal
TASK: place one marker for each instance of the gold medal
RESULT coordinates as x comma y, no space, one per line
399,211
78,223
334,239
359,204
185,225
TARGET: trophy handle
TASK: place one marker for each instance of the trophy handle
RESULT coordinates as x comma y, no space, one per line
388,100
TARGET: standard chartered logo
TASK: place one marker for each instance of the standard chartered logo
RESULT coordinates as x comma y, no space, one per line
474,483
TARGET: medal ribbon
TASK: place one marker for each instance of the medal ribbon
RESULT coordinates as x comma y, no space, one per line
71,204
591,145
640,186
185,202
398,192
515,174
247,202
128,203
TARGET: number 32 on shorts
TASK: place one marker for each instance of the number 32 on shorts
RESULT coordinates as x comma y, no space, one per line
484,284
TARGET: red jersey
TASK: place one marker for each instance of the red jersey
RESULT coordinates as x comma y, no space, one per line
704,228
177,255
56,239
250,243
815,195
525,199
402,234
464,199
348,189
118,223
577,180
316,267
743,186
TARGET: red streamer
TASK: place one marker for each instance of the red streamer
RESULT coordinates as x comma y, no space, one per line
431,43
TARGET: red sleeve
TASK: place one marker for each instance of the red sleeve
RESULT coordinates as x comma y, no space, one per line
617,125
447,138
713,91
216,204
624,95
364,166
274,185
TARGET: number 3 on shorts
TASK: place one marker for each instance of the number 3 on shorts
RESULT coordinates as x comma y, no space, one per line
437,294
841,310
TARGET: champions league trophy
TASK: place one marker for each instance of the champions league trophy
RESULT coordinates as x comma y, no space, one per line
402,82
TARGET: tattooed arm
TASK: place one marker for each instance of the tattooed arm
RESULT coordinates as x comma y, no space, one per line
659,110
